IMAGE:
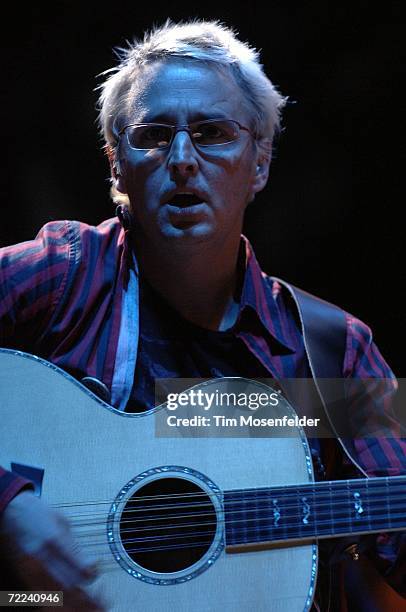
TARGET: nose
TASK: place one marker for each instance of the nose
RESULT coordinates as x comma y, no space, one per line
182,159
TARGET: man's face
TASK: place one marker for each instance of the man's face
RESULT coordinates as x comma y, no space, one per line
184,192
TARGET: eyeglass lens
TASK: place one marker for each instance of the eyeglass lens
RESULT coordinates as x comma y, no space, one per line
204,133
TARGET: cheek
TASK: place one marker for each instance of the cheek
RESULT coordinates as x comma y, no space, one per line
233,167
235,177
142,179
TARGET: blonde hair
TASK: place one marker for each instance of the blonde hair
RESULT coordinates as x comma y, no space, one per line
210,42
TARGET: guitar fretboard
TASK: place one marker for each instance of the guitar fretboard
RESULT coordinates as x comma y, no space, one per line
322,509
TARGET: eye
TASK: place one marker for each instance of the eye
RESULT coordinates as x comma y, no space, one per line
215,132
150,136
158,135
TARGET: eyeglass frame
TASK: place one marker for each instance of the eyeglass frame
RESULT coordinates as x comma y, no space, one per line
184,128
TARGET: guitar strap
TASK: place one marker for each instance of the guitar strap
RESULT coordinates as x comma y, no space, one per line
324,332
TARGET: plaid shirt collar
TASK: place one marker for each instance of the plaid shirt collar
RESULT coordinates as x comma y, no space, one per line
260,294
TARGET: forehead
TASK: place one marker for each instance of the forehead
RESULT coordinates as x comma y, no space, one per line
185,90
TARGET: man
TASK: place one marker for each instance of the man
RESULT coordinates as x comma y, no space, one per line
188,118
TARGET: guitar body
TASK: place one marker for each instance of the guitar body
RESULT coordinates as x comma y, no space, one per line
94,459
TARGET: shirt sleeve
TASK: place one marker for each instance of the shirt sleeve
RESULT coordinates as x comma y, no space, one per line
371,387
382,454
33,275
10,485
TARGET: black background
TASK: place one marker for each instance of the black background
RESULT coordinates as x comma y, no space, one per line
329,221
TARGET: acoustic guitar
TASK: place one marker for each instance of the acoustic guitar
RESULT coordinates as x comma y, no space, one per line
181,522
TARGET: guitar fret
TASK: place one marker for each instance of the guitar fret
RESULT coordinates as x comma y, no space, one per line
315,512
388,507
299,520
331,507
350,506
368,503
340,509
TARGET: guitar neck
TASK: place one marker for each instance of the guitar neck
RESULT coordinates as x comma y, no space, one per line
315,510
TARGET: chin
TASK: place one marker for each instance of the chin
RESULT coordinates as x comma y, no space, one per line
187,232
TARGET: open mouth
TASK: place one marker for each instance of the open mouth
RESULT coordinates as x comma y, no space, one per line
184,200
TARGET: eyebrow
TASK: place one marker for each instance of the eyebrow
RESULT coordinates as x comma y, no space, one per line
165,117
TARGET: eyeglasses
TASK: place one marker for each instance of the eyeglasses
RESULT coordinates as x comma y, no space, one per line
213,132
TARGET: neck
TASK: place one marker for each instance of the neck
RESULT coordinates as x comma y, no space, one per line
322,510
199,280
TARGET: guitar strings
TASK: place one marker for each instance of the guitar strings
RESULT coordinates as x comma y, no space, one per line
291,526
317,502
106,559
295,527
108,563
319,508
332,486
190,545
263,514
208,541
343,499
370,492
373,504
318,521
370,514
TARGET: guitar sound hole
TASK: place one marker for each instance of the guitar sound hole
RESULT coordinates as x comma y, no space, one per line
168,525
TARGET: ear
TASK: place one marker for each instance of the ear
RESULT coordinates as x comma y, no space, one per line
115,168
260,174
